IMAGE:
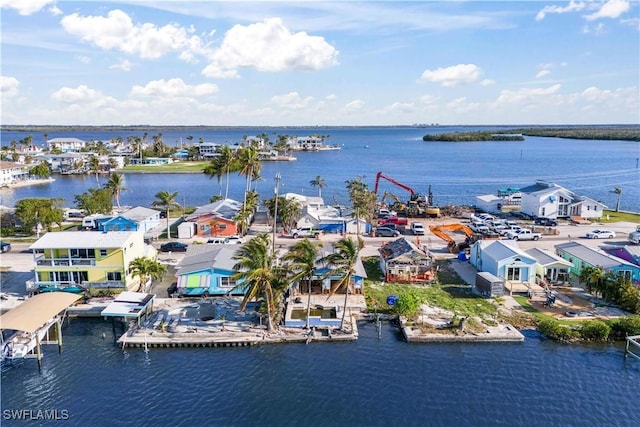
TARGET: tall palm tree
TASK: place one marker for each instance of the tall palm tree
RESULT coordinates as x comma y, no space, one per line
146,269
318,182
618,191
249,165
166,200
343,264
255,272
94,166
304,256
116,185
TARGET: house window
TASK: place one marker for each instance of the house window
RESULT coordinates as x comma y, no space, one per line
114,276
82,253
625,274
542,212
103,252
226,282
202,228
588,207
513,273
222,226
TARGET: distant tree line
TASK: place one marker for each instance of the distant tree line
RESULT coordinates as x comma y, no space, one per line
620,133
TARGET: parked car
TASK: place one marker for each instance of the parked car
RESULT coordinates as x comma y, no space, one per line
601,234
5,247
393,220
547,222
234,240
216,241
386,232
174,247
417,229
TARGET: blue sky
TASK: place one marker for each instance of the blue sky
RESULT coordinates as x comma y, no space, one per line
319,63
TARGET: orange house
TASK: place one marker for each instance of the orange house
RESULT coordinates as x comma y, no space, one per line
216,219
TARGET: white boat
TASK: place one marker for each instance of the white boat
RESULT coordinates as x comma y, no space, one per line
20,344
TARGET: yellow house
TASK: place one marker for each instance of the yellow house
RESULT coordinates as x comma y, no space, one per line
79,260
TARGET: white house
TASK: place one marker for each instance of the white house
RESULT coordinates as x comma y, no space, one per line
551,200
11,172
66,144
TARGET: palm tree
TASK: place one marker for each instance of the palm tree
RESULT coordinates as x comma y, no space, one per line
618,191
250,165
116,185
94,166
146,269
255,271
303,256
166,200
318,182
343,263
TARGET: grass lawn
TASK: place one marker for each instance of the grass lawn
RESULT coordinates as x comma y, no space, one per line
619,216
177,167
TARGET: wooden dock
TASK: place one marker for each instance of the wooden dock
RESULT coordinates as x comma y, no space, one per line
633,343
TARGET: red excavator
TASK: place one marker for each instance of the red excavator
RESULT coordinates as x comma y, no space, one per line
418,204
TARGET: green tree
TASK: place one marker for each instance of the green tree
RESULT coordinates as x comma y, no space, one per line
95,200
319,182
166,200
94,167
363,200
146,269
303,256
255,272
223,163
115,185
289,211
45,211
343,263
41,170
249,165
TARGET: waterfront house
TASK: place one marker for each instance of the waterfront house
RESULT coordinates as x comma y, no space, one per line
506,200
216,219
65,163
207,150
135,219
551,200
402,261
504,259
207,270
307,143
10,172
580,256
550,267
66,144
87,260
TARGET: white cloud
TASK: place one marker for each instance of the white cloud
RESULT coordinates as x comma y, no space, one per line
542,73
462,105
84,59
269,46
291,101
453,76
124,65
573,6
402,107
173,88
116,31
331,97
611,9
429,99
353,106
487,82
526,94
25,7
80,95
9,86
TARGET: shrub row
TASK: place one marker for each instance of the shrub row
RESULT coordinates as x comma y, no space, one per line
591,330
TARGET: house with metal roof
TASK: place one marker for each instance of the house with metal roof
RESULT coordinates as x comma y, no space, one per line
629,253
75,261
550,200
402,261
216,219
207,270
66,144
505,259
581,256
135,219
550,266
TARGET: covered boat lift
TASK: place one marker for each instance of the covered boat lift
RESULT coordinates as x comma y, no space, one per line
24,329
129,305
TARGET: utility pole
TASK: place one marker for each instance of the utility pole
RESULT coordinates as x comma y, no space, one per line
275,213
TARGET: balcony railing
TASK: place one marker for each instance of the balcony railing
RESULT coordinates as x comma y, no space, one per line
33,286
56,262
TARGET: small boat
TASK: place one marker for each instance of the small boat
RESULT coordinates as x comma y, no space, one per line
366,146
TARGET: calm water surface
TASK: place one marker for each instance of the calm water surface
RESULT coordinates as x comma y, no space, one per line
371,382
457,172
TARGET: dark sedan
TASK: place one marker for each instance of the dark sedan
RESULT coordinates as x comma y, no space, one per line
386,232
174,247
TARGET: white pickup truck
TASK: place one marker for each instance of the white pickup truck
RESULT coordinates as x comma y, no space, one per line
523,234
304,232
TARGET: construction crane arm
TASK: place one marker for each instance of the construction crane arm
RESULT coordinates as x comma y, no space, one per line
391,180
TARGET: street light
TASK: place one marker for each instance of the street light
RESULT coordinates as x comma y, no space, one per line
275,213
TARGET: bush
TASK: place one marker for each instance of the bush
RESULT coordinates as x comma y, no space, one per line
595,330
408,304
625,326
554,330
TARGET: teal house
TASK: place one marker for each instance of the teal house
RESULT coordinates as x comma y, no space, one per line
207,270
581,256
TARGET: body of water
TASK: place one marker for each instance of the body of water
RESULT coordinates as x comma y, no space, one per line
456,172
370,382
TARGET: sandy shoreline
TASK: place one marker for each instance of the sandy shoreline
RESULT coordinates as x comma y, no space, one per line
27,182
